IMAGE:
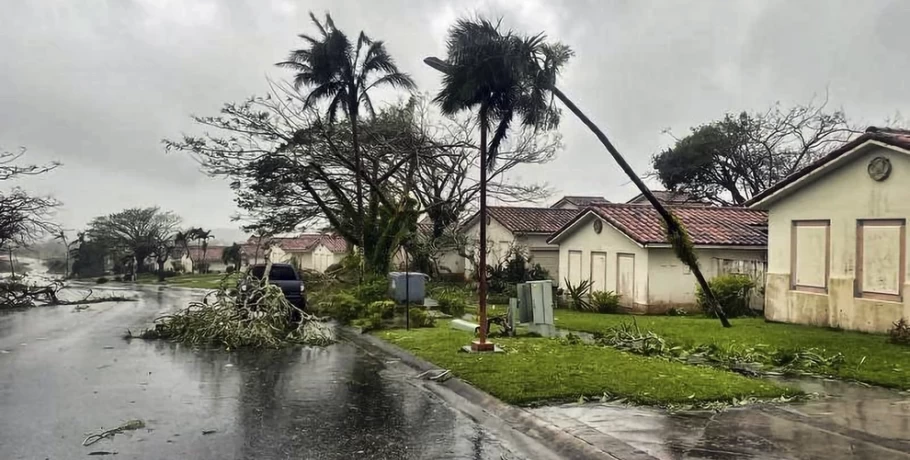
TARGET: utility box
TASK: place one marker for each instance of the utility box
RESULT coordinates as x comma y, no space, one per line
525,307
407,287
542,301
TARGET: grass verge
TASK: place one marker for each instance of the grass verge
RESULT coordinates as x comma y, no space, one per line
868,357
536,370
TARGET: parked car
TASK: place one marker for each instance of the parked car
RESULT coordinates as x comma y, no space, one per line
284,276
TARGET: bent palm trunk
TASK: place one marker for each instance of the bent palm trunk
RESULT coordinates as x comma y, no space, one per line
671,223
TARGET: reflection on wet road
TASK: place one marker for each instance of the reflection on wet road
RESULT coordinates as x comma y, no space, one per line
64,374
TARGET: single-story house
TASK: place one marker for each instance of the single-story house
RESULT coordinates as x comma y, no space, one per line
330,250
211,257
667,198
523,228
622,248
307,251
578,202
837,236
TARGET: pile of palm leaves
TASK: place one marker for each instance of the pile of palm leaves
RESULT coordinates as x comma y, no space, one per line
756,360
258,316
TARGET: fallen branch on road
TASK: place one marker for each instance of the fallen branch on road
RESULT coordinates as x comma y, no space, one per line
259,317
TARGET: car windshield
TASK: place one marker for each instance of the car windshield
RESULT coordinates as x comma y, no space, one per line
278,273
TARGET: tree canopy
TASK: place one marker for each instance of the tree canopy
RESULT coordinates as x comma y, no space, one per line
728,161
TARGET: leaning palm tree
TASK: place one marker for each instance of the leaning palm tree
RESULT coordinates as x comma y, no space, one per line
344,74
491,72
544,63
204,236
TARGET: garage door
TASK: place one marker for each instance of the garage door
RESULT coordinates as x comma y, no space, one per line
548,259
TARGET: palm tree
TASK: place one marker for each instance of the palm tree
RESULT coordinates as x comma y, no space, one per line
545,61
492,72
182,239
204,236
344,74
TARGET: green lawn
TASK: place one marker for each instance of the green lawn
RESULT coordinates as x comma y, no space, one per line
202,281
869,357
542,370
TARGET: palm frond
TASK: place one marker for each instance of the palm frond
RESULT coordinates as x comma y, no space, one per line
319,25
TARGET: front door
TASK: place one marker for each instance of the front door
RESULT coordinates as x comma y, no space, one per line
625,278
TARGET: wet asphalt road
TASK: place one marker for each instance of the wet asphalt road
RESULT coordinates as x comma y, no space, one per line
65,374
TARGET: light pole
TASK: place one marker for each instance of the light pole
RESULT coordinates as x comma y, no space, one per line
481,344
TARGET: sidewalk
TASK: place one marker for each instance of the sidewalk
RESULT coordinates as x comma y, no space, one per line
855,422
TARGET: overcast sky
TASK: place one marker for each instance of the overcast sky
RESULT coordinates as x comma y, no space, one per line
97,84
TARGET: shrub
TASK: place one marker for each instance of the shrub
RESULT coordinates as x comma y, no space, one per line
371,290
732,291
344,307
230,269
673,311
451,304
385,309
578,295
118,278
419,318
102,280
605,301
900,332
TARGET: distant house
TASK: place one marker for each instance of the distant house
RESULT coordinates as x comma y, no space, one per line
190,261
667,197
578,202
623,248
309,251
525,228
837,236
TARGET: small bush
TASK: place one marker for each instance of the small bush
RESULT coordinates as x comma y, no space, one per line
732,291
102,280
344,307
420,318
578,295
385,309
230,269
118,278
673,311
900,332
452,304
605,301
372,290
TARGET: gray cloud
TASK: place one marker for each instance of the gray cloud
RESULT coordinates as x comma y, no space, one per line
96,85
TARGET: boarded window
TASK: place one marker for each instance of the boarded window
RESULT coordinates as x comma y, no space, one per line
810,255
880,259
574,268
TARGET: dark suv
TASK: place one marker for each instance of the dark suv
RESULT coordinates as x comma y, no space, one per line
285,277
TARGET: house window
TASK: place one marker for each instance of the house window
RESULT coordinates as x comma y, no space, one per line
810,255
880,259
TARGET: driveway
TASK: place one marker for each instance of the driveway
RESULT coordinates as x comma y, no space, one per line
65,374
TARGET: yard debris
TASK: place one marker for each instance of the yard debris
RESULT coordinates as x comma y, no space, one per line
19,294
258,317
749,361
208,432
128,426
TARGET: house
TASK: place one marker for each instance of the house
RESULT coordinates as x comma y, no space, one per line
837,236
578,202
448,260
623,248
211,258
526,229
667,198
307,251
330,250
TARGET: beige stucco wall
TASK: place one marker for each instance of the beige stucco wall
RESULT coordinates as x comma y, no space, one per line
322,258
499,239
671,283
612,242
843,196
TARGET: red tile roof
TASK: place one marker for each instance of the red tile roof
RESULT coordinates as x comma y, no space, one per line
529,220
897,137
300,243
667,197
581,201
707,225
212,253
336,244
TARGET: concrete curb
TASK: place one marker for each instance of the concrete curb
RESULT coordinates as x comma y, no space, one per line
521,427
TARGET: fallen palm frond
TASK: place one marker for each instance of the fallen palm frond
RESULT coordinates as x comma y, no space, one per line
258,316
752,361
128,426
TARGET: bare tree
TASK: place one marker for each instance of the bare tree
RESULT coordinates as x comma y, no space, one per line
730,160
23,217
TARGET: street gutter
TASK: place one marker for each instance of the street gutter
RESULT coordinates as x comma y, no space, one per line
519,427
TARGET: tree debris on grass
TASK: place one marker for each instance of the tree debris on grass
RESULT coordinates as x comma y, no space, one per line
16,294
749,361
258,316
128,426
